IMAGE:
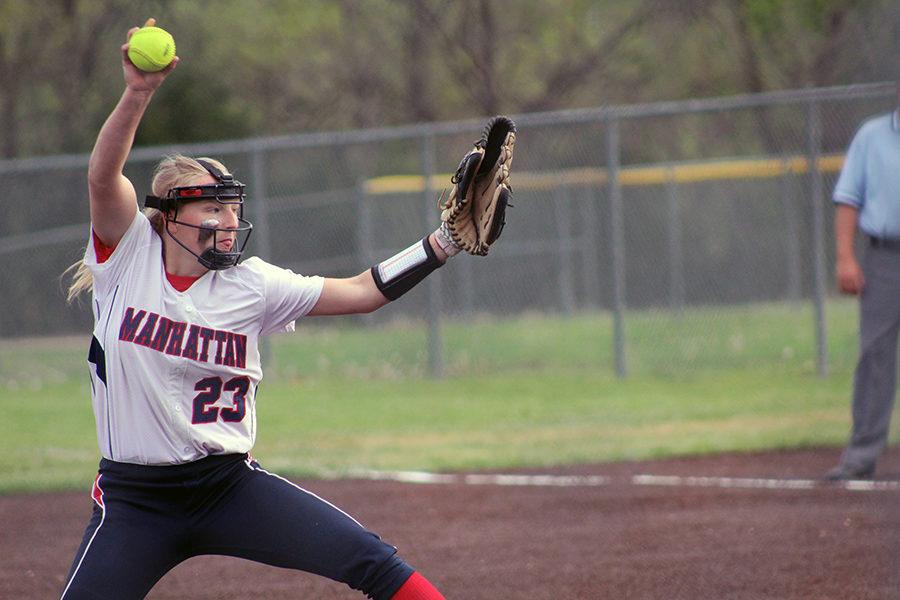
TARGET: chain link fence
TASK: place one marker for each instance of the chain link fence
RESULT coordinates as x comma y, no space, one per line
662,232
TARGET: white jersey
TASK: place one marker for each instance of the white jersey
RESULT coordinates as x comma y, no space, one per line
174,374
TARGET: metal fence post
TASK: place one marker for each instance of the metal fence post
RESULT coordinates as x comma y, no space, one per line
791,231
617,237
590,243
816,186
561,201
260,206
363,226
364,244
676,258
433,307
467,283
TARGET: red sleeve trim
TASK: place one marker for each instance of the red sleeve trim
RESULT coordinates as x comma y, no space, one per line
102,251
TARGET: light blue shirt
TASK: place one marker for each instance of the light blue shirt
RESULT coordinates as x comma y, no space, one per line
870,178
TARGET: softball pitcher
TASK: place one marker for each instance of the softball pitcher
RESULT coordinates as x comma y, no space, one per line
175,365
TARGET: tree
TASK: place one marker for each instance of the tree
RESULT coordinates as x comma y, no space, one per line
282,66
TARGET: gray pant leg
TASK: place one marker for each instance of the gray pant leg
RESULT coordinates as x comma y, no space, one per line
876,372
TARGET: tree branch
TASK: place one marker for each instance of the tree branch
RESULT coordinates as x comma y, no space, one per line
572,74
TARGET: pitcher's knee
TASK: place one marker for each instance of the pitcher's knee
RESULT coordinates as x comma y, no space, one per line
378,575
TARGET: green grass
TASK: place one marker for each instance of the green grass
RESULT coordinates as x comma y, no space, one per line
529,391
779,336
541,419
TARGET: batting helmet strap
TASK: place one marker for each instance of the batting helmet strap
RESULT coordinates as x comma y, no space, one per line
158,203
216,172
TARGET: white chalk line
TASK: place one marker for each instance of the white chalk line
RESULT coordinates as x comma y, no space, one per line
770,484
424,477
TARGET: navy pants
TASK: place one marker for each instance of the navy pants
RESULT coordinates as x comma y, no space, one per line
148,519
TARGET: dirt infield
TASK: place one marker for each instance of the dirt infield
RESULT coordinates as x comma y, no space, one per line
609,537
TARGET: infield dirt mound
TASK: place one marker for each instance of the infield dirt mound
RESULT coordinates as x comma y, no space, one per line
615,540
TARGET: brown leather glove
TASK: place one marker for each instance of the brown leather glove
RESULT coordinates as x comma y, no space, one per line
474,213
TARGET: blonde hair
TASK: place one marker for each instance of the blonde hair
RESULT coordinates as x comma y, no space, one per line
172,171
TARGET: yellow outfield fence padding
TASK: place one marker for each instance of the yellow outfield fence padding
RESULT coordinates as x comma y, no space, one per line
747,168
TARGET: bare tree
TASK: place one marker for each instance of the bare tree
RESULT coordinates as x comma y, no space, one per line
572,71
85,25
421,105
21,49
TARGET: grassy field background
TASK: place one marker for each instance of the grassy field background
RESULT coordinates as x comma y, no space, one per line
525,391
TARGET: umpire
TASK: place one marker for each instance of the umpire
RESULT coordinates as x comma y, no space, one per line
867,197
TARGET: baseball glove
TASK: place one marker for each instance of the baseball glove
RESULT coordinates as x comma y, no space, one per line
474,213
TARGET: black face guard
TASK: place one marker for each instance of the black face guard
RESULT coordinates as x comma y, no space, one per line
226,191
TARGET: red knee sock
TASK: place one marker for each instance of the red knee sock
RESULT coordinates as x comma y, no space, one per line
417,588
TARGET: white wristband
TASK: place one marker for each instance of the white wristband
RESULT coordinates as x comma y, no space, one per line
445,242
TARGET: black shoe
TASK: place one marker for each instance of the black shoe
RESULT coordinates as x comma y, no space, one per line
847,473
